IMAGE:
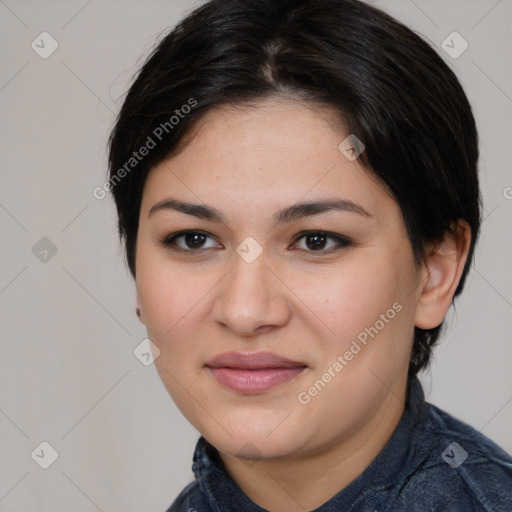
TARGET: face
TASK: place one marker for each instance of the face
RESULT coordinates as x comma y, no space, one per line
283,303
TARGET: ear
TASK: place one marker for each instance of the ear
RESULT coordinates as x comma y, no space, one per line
441,275
138,310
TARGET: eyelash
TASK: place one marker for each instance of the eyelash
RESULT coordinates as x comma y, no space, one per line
341,241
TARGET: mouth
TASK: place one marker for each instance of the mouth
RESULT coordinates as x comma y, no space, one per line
253,373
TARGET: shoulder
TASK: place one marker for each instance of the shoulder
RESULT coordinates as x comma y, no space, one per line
459,468
190,500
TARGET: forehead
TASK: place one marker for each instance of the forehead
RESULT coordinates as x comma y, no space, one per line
275,152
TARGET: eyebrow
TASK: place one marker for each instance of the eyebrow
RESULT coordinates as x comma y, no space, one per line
288,214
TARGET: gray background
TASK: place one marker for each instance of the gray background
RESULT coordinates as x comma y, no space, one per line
68,375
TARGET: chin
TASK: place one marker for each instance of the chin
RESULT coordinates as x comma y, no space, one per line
252,446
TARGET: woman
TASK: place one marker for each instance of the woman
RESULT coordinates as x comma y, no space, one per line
296,186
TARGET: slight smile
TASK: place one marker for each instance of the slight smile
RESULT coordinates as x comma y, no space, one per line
253,373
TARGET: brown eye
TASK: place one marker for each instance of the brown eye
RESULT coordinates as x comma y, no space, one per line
316,242
194,240
319,241
189,241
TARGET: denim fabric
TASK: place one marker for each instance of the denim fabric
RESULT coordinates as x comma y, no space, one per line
419,469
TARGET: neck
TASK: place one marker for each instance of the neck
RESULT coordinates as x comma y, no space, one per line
307,482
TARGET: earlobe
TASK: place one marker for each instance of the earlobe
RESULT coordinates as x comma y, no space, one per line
138,311
443,269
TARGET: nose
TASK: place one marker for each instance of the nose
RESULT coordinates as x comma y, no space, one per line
251,300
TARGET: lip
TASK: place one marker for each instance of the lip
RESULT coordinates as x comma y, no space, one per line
252,373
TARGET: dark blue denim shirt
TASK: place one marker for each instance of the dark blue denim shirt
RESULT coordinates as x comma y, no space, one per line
433,462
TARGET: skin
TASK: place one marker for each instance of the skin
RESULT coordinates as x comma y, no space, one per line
303,304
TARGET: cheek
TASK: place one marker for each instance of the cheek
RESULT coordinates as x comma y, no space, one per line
348,299
166,296
174,305
176,302
166,289
368,303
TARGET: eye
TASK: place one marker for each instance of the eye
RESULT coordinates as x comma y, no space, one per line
189,241
310,241
321,241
